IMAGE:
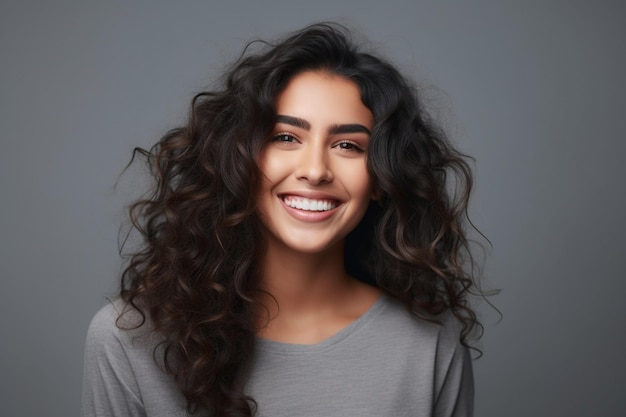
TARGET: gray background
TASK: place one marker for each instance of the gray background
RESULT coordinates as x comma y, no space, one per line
534,90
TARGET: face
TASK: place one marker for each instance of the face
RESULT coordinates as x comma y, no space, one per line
316,187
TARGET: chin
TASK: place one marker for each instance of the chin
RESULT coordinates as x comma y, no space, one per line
312,246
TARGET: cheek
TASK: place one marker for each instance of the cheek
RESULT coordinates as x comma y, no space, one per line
264,195
272,166
359,181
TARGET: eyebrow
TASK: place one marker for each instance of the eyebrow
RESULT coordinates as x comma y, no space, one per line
335,129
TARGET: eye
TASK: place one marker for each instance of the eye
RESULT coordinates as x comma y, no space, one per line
350,146
284,138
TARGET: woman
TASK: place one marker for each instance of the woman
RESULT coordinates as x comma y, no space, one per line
303,253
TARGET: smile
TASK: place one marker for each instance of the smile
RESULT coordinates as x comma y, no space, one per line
309,204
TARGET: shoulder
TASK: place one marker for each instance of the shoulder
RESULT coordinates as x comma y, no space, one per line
434,353
103,322
121,374
116,330
103,328
441,329
109,321
403,334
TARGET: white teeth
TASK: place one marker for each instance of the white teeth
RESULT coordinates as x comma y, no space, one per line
307,204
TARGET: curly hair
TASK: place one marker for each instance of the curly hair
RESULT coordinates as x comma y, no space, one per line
196,277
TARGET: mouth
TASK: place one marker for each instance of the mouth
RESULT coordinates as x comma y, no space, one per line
309,204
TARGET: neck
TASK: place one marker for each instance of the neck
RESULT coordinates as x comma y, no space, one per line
301,282
309,296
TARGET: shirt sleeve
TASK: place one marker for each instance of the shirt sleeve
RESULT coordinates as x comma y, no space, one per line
456,397
109,385
454,375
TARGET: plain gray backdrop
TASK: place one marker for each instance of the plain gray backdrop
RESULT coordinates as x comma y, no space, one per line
534,90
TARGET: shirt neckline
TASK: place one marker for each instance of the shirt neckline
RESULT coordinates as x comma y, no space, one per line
328,343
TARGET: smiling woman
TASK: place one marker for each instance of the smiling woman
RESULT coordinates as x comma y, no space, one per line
302,252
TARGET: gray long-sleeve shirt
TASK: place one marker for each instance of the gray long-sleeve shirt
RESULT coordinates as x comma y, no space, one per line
386,363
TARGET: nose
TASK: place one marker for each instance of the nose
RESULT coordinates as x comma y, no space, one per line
314,166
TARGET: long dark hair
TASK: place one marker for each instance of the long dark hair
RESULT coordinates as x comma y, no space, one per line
197,278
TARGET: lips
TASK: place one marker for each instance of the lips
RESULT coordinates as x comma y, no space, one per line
309,204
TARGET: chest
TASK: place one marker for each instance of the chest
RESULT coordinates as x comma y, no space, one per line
342,382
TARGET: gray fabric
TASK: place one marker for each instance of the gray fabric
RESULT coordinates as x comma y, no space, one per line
387,363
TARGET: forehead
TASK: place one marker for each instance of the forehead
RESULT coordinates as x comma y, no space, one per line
321,97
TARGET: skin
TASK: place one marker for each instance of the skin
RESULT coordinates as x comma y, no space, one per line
316,189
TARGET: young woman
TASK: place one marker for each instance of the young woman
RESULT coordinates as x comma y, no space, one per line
303,254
